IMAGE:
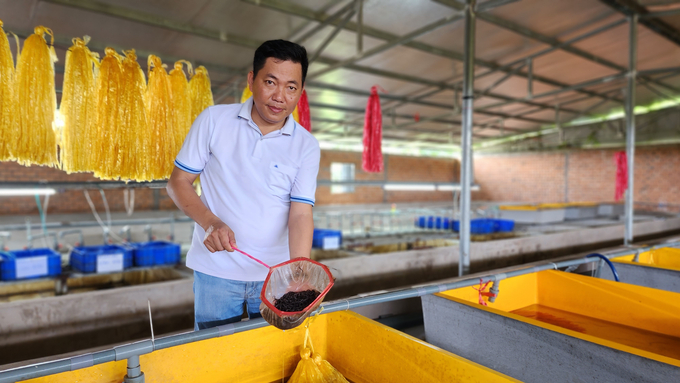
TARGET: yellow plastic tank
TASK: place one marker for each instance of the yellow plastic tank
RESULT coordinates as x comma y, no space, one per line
634,319
665,258
361,349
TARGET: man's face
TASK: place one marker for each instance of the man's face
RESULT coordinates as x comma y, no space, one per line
276,90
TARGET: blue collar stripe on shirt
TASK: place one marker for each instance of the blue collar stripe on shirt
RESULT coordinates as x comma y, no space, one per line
186,168
303,200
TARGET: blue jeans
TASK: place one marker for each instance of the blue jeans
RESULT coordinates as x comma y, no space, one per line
219,301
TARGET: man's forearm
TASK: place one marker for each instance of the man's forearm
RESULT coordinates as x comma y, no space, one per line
183,194
300,234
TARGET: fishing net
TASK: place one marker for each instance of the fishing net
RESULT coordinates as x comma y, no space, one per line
36,100
106,137
305,118
8,130
247,94
200,92
297,275
372,160
181,103
159,118
135,158
78,107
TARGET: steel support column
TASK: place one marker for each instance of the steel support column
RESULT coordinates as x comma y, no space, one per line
630,126
466,138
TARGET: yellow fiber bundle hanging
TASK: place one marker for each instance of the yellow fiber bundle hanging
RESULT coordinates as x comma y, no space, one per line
78,107
36,101
201,94
8,131
181,102
135,164
105,138
247,94
159,118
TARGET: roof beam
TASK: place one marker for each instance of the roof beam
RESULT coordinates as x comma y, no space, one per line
307,13
553,42
628,7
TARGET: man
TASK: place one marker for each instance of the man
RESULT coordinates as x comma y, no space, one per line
258,171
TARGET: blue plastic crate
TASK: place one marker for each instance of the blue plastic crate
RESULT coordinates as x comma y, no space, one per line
438,223
85,258
430,222
478,226
29,264
324,238
446,223
504,225
156,253
421,222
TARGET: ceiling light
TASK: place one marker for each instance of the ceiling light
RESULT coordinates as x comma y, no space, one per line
26,192
410,187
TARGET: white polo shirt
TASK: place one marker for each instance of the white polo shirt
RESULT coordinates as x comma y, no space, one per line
248,181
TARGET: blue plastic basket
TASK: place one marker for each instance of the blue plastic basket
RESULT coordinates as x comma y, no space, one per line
446,223
430,222
320,236
421,222
438,223
504,225
156,253
478,226
84,258
38,267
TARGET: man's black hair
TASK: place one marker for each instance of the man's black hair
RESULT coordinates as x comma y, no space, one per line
281,50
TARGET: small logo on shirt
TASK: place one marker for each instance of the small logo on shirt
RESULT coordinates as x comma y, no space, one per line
276,166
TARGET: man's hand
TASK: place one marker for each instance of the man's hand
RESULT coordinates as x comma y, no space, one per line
219,237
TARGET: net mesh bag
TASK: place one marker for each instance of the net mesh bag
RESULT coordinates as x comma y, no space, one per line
299,274
136,157
105,138
78,107
36,101
8,131
159,118
200,92
181,102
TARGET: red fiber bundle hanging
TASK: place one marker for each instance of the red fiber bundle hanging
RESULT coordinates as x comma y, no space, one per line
621,174
372,158
303,112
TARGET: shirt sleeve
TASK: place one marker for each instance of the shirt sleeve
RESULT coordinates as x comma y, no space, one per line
195,151
304,187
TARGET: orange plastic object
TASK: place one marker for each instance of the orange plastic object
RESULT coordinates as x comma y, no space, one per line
36,101
200,92
159,118
137,154
181,103
7,101
78,107
106,140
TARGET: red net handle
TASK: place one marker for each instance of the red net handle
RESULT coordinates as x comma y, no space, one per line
251,257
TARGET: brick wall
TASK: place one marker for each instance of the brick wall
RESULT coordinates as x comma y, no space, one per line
578,176
72,201
399,168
